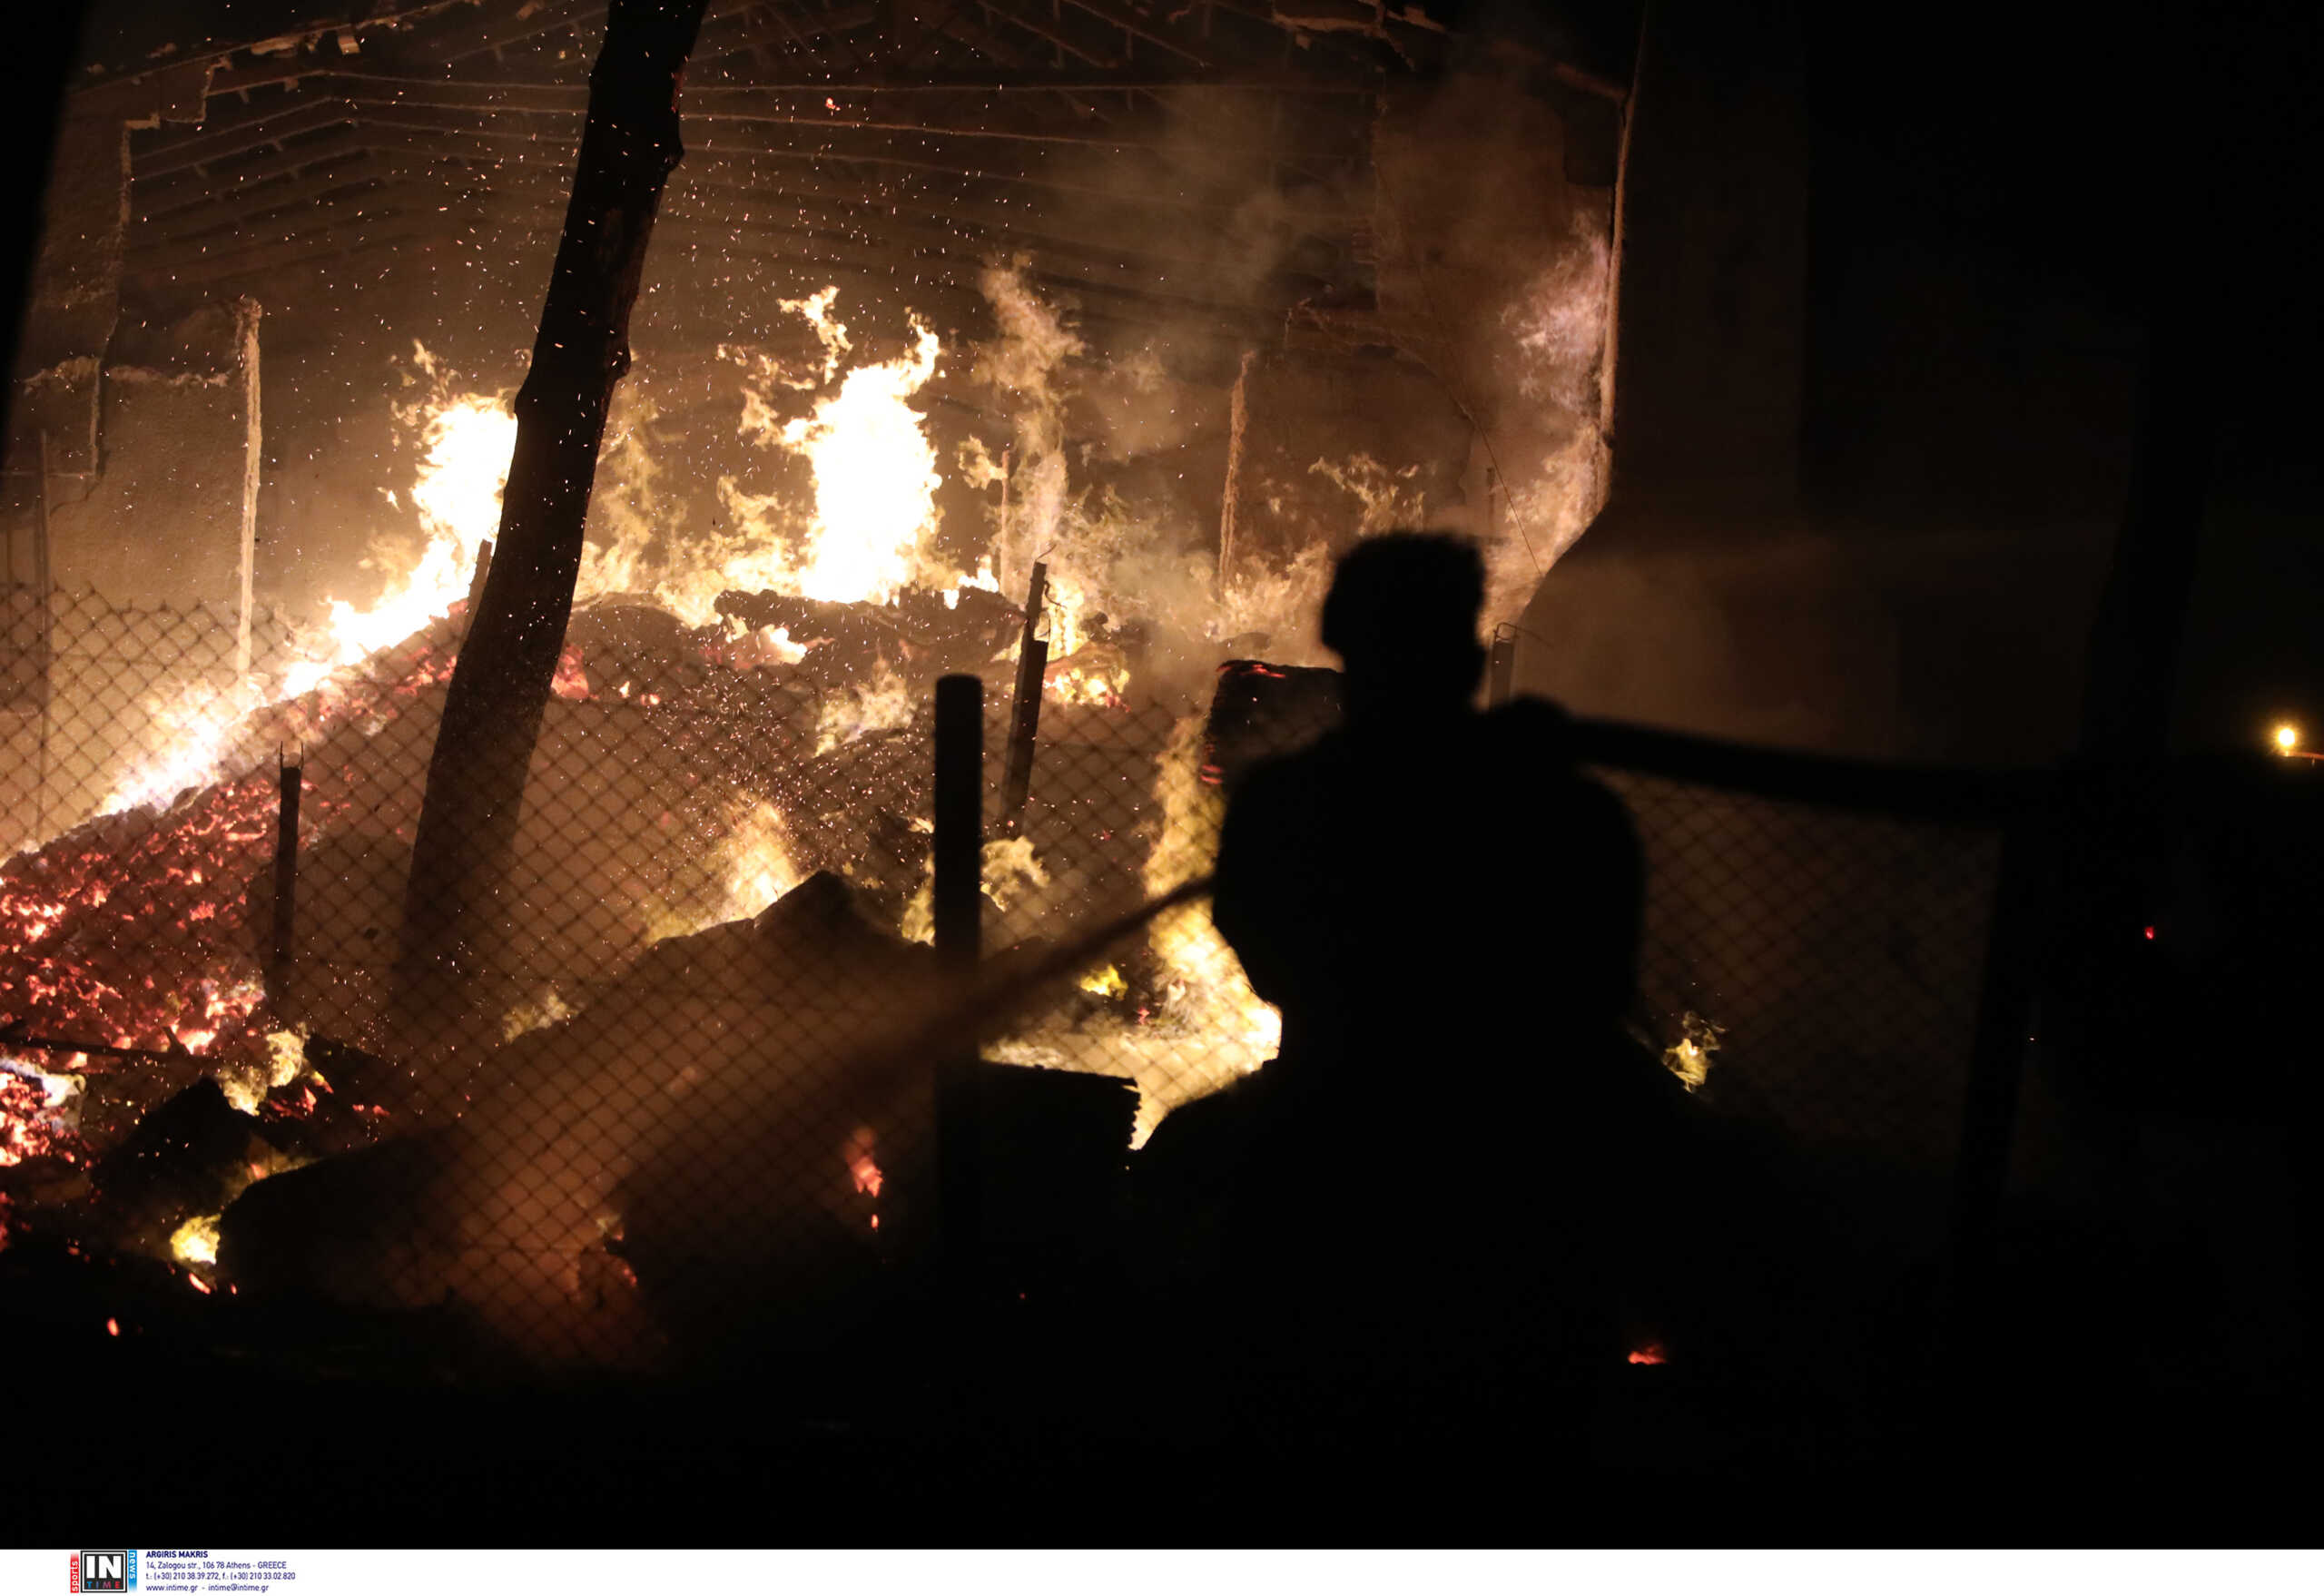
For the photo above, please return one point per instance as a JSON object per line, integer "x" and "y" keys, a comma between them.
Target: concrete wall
{"x": 1722, "y": 590}
{"x": 1714, "y": 259}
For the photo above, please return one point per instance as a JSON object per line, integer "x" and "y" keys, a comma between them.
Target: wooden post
{"x": 959, "y": 844}
{"x": 1025, "y": 711}
{"x": 286, "y": 873}
{"x": 958, "y": 849}
{"x": 456, "y": 897}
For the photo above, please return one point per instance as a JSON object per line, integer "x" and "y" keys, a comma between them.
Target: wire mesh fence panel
{"x": 1811, "y": 968}
{"x": 115, "y": 705}
{"x": 684, "y": 1100}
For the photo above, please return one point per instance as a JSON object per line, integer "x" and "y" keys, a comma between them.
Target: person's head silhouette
{"x": 1402, "y": 615}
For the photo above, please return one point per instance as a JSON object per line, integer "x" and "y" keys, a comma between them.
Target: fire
{"x": 862, "y": 1166}
{"x": 196, "y": 1240}
{"x": 759, "y": 869}
{"x": 1203, "y": 1026}
{"x": 199, "y": 723}
{"x": 1105, "y": 983}
{"x": 535, "y": 1014}
{"x": 458, "y": 495}
{"x": 754, "y": 869}
{"x": 1689, "y": 1058}
{"x": 883, "y": 703}
{"x": 467, "y": 442}
{"x": 1009, "y": 872}
{"x": 1651, "y": 1353}
{"x": 875, "y": 478}
{"x": 1096, "y": 687}
{"x": 30, "y": 1124}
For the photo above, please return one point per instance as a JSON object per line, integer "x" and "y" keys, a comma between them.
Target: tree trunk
{"x": 455, "y": 906}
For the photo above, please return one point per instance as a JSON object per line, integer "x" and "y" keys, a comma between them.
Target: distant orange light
{"x": 113, "y": 1326}
{"x": 2287, "y": 737}
{"x": 2150, "y": 933}
{"x": 1651, "y": 1353}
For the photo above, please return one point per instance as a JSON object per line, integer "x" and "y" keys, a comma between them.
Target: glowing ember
{"x": 29, "y": 1125}
{"x": 246, "y": 1086}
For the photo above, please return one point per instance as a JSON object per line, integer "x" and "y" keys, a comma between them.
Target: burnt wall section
{"x": 75, "y": 293}
{"x": 1327, "y": 447}
{"x": 167, "y": 516}
{"x": 1494, "y": 217}
{"x": 1464, "y": 393}
{"x": 163, "y": 528}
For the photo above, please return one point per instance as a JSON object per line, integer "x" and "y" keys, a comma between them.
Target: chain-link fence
{"x": 691, "y": 1106}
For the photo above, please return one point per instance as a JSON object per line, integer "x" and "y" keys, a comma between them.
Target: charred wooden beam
{"x": 1138, "y": 27}
{"x": 1024, "y": 708}
{"x": 1049, "y": 34}
{"x": 184, "y": 154}
{"x": 500, "y": 685}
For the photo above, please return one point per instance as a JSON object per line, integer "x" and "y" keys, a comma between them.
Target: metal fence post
{"x": 958, "y": 850}
{"x": 1989, "y": 1100}
{"x": 286, "y": 871}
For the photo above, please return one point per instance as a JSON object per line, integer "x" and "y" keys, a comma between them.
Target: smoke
{"x": 1555, "y": 328}
{"x": 1115, "y": 557}
{"x": 1025, "y": 364}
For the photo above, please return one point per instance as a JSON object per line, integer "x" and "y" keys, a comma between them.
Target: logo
{"x": 106, "y": 1571}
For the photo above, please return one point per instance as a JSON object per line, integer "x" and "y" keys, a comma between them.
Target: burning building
{"x": 1141, "y": 310}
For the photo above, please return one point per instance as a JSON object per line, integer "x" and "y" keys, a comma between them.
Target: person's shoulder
{"x": 1530, "y": 736}
{"x": 1530, "y": 719}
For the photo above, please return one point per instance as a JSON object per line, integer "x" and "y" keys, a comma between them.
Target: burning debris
{"x": 927, "y": 632}
{"x": 749, "y": 707}
{"x": 700, "y": 1152}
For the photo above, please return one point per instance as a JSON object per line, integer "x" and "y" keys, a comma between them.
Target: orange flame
{"x": 862, "y": 1165}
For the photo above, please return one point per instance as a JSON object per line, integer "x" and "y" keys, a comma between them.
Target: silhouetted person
{"x": 1446, "y": 912}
